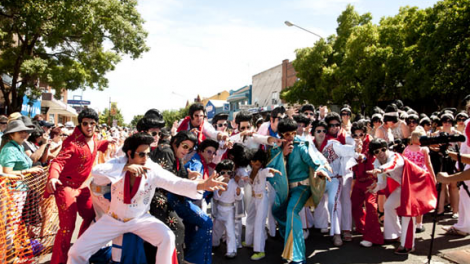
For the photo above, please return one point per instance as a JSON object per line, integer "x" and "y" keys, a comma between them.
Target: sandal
{"x": 454, "y": 231}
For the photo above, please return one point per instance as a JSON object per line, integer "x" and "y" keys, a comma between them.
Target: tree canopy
{"x": 416, "y": 55}
{"x": 66, "y": 44}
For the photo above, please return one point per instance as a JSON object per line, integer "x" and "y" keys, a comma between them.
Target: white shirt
{"x": 338, "y": 155}
{"x": 259, "y": 183}
{"x": 230, "y": 195}
{"x": 112, "y": 172}
{"x": 393, "y": 168}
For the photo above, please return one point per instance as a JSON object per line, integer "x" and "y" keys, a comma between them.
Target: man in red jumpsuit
{"x": 67, "y": 174}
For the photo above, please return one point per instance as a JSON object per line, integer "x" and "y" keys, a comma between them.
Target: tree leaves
{"x": 69, "y": 44}
{"x": 414, "y": 55}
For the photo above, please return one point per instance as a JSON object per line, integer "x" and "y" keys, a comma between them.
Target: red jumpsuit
{"x": 72, "y": 167}
{"x": 369, "y": 217}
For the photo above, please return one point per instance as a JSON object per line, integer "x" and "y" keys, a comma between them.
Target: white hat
{"x": 69, "y": 124}
{"x": 60, "y": 125}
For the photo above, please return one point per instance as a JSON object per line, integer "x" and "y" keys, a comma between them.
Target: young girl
{"x": 419, "y": 156}
{"x": 258, "y": 208}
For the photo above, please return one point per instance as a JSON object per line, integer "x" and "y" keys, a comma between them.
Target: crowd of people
{"x": 146, "y": 191}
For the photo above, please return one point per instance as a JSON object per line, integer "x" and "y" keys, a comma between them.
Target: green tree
{"x": 135, "y": 120}
{"x": 170, "y": 116}
{"x": 67, "y": 44}
{"x": 107, "y": 117}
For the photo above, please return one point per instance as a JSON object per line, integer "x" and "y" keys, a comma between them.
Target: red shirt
{"x": 75, "y": 160}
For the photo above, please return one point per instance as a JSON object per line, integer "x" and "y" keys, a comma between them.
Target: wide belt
{"x": 257, "y": 195}
{"x": 305, "y": 182}
{"x": 365, "y": 179}
{"x": 125, "y": 220}
{"x": 100, "y": 189}
{"x": 225, "y": 204}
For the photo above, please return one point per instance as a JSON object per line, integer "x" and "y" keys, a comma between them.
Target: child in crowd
{"x": 225, "y": 200}
{"x": 258, "y": 208}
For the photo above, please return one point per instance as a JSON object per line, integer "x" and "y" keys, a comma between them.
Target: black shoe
{"x": 420, "y": 230}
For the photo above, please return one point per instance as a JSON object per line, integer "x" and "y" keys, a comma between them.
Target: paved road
{"x": 321, "y": 250}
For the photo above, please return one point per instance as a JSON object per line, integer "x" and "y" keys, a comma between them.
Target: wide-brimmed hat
{"x": 69, "y": 124}
{"x": 16, "y": 126}
{"x": 27, "y": 121}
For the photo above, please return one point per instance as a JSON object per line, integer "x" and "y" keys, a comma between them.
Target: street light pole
{"x": 290, "y": 24}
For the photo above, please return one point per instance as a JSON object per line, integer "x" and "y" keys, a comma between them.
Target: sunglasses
{"x": 186, "y": 146}
{"x": 309, "y": 113}
{"x": 288, "y": 134}
{"x": 226, "y": 172}
{"x": 412, "y": 122}
{"x": 447, "y": 121}
{"x": 244, "y": 128}
{"x": 143, "y": 154}
{"x": 356, "y": 135}
{"x": 222, "y": 125}
{"x": 155, "y": 133}
{"x": 458, "y": 120}
{"x": 345, "y": 114}
{"x": 320, "y": 131}
{"x": 64, "y": 135}
{"x": 3, "y": 123}
{"x": 92, "y": 123}
{"x": 377, "y": 151}
{"x": 334, "y": 125}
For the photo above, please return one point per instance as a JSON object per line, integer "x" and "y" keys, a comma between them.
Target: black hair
{"x": 391, "y": 108}
{"x": 133, "y": 142}
{"x": 154, "y": 118}
{"x": 219, "y": 116}
{"x": 319, "y": 124}
{"x": 194, "y": 108}
{"x": 359, "y": 125}
{"x": 378, "y": 110}
{"x": 359, "y": 117}
{"x": 398, "y": 103}
{"x": 241, "y": 155}
{"x": 278, "y": 110}
{"x": 37, "y": 133}
{"x": 259, "y": 155}
{"x": 225, "y": 164}
{"x": 208, "y": 143}
{"x": 243, "y": 116}
{"x": 332, "y": 116}
{"x": 286, "y": 125}
{"x": 87, "y": 113}
{"x": 377, "y": 143}
{"x": 307, "y": 107}
{"x": 425, "y": 121}
{"x": 303, "y": 119}
{"x": 181, "y": 136}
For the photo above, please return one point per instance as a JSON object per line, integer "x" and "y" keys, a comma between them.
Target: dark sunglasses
{"x": 345, "y": 114}
{"x": 320, "y": 131}
{"x": 154, "y": 133}
{"x": 334, "y": 125}
{"x": 225, "y": 172}
{"x": 64, "y": 135}
{"x": 446, "y": 121}
{"x": 143, "y": 154}
{"x": 356, "y": 135}
{"x": 92, "y": 123}
{"x": 186, "y": 146}
{"x": 223, "y": 124}
{"x": 3, "y": 123}
{"x": 288, "y": 134}
{"x": 458, "y": 120}
{"x": 412, "y": 122}
{"x": 244, "y": 127}
{"x": 210, "y": 152}
{"x": 377, "y": 151}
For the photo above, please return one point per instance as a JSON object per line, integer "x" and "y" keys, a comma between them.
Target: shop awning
{"x": 57, "y": 107}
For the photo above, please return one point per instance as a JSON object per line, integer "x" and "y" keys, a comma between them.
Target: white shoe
{"x": 366, "y": 243}
{"x": 324, "y": 230}
{"x": 306, "y": 233}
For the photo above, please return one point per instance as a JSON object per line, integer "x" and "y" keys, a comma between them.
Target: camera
{"x": 443, "y": 138}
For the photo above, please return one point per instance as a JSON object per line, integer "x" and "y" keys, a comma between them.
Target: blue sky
{"x": 203, "y": 47}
